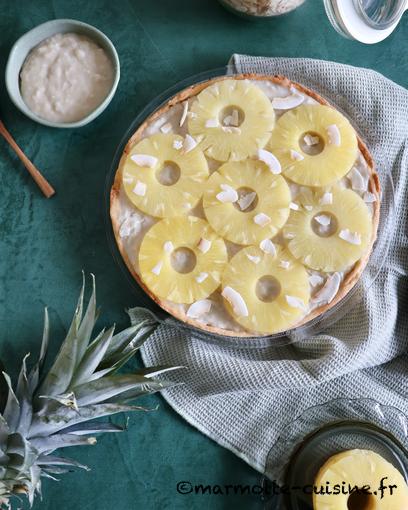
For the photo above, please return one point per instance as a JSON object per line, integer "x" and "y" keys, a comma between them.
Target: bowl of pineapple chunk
{"x": 245, "y": 205}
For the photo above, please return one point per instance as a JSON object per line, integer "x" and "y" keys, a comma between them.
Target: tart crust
{"x": 350, "y": 278}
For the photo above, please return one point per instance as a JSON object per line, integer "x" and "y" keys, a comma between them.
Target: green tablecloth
{"x": 45, "y": 244}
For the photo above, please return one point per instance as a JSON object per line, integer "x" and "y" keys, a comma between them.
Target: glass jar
{"x": 261, "y": 8}
{"x": 367, "y": 21}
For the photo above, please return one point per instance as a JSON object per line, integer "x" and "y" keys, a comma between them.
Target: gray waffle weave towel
{"x": 243, "y": 397}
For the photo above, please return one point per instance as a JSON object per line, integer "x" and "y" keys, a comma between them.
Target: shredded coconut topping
{"x": 166, "y": 128}
{"x": 199, "y": 308}
{"x": 296, "y": 156}
{"x": 323, "y": 220}
{"x": 285, "y": 103}
{"x": 350, "y": 237}
{"x": 329, "y": 290}
{"x": 212, "y": 123}
{"x": 231, "y": 129}
{"x": 295, "y": 302}
{"x": 228, "y": 195}
{"x": 204, "y": 245}
{"x": 184, "y": 114}
{"x": 271, "y": 161}
{"x": 267, "y": 246}
{"x": 246, "y": 200}
{"x": 140, "y": 189}
{"x": 357, "y": 180}
{"x": 315, "y": 279}
{"x": 157, "y": 268}
{"x": 237, "y": 302}
{"x": 177, "y": 144}
{"x": 334, "y": 135}
{"x": 262, "y": 219}
{"x": 311, "y": 140}
{"x": 168, "y": 247}
{"x": 294, "y": 206}
{"x": 144, "y": 160}
{"x": 201, "y": 277}
{"x": 189, "y": 143}
{"x": 326, "y": 199}
{"x": 285, "y": 264}
{"x": 254, "y": 258}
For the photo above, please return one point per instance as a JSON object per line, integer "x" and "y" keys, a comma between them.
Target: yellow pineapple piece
{"x": 330, "y": 231}
{"x": 181, "y": 259}
{"x": 161, "y": 179}
{"x": 233, "y": 119}
{"x": 265, "y": 292}
{"x": 263, "y": 218}
{"x": 360, "y": 468}
{"x": 315, "y": 144}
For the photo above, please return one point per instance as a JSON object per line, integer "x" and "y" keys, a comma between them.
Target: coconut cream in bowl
{"x": 63, "y": 73}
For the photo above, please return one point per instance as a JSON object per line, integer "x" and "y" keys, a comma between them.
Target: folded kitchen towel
{"x": 242, "y": 396}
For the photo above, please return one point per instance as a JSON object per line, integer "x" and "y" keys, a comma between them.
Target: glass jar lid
{"x": 367, "y": 21}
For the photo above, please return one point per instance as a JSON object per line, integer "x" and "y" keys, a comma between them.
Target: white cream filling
{"x": 134, "y": 224}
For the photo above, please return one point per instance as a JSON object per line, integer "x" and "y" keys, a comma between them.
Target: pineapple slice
{"x": 181, "y": 259}
{"x": 360, "y": 468}
{"x": 233, "y": 119}
{"x": 161, "y": 178}
{"x": 262, "y": 218}
{"x": 315, "y": 144}
{"x": 265, "y": 293}
{"x": 330, "y": 231}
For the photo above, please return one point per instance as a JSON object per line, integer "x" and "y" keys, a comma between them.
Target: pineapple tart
{"x": 378, "y": 484}
{"x": 246, "y": 205}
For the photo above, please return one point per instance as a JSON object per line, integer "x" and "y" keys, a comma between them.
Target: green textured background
{"x": 45, "y": 244}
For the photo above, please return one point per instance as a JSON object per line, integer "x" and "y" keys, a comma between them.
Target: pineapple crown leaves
{"x": 48, "y": 411}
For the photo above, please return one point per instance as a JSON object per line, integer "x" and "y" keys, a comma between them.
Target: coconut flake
{"x": 131, "y": 225}
{"x": 199, "y": 308}
{"x": 231, "y": 129}
{"x": 334, "y": 135}
{"x": 267, "y": 246}
{"x": 168, "y": 247}
{"x": 204, "y": 245}
{"x": 323, "y": 219}
{"x": 357, "y": 180}
{"x": 189, "y": 143}
{"x": 369, "y": 197}
{"x": 157, "y": 268}
{"x": 326, "y": 199}
{"x": 228, "y": 195}
{"x": 311, "y": 140}
{"x": 177, "y": 144}
{"x": 127, "y": 179}
{"x": 308, "y": 207}
{"x": 237, "y": 302}
{"x": 140, "y": 189}
{"x": 315, "y": 279}
{"x": 271, "y": 161}
{"x": 253, "y": 258}
{"x": 294, "y": 206}
{"x": 246, "y": 200}
{"x": 144, "y": 160}
{"x": 166, "y": 128}
{"x": 350, "y": 237}
{"x": 296, "y": 155}
{"x": 232, "y": 120}
{"x": 184, "y": 114}
{"x": 262, "y": 219}
{"x": 285, "y": 103}
{"x": 329, "y": 289}
{"x": 201, "y": 277}
{"x": 295, "y": 302}
{"x": 284, "y": 264}
{"x": 212, "y": 123}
